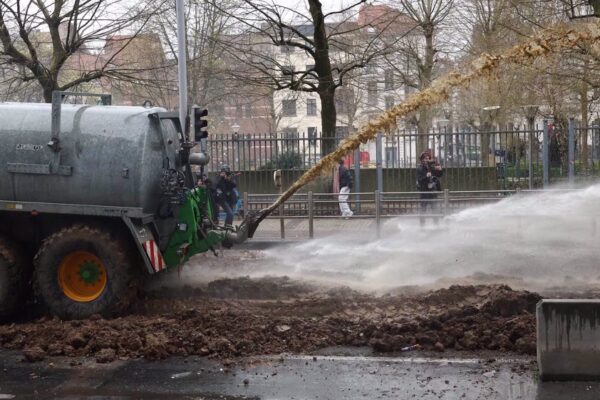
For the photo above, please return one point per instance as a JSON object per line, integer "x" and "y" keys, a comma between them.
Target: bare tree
{"x": 425, "y": 42}
{"x": 39, "y": 38}
{"x": 205, "y": 24}
{"x": 269, "y": 34}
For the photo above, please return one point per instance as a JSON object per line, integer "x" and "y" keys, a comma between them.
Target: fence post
{"x": 378, "y": 161}
{"x": 531, "y": 133}
{"x": 378, "y": 212}
{"x": 281, "y": 221}
{"x": 571, "y": 151}
{"x": 546, "y": 156}
{"x": 311, "y": 230}
{"x": 446, "y": 201}
{"x": 278, "y": 179}
{"x": 357, "y": 179}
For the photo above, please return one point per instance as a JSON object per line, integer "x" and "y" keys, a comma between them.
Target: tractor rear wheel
{"x": 81, "y": 271}
{"x": 15, "y": 274}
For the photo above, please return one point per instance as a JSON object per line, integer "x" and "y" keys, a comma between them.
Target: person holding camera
{"x": 429, "y": 173}
{"x": 226, "y": 194}
{"x": 211, "y": 193}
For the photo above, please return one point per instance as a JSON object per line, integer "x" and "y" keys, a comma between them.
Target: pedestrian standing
{"x": 226, "y": 194}
{"x": 345, "y": 178}
{"x": 429, "y": 172}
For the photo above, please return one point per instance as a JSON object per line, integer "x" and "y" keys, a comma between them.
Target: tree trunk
{"x": 425, "y": 78}
{"x": 48, "y": 88}
{"x": 423, "y": 128}
{"x": 326, "y": 84}
{"x": 485, "y": 144}
{"x": 328, "y": 121}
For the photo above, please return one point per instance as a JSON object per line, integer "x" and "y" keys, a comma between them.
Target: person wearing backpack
{"x": 226, "y": 195}
{"x": 429, "y": 172}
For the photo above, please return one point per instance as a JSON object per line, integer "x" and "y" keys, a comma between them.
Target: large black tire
{"x": 15, "y": 276}
{"x": 117, "y": 256}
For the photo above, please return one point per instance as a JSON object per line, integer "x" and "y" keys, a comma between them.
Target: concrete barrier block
{"x": 568, "y": 339}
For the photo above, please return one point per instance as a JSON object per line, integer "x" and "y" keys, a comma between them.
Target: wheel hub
{"x": 89, "y": 272}
{"x": 82, "y": 276}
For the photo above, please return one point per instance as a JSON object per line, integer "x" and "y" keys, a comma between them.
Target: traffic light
{"x": 200, "y": 123}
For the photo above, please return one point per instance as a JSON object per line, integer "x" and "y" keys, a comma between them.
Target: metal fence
{"x": 473, "y": 160}
{"x": 377, "y": 205}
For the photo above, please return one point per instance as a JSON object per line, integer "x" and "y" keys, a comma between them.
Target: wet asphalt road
{"x": 286, "y": 377}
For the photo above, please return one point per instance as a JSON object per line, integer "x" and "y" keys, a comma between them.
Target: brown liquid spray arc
{"x": 549, "y": 42}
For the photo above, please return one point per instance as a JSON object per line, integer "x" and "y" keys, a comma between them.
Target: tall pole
{"x": 546, "y": 155}
{"x": 181, "y": 63}
{"x": 378, "y": 161}
{"x": 530, "y": 113}
{"x": 571, "y": 150}
{"x": 531, "y": 122}
{"x": 357, "y": 178}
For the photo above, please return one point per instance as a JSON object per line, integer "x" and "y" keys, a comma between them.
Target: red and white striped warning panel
{"x": 154, "y": 255}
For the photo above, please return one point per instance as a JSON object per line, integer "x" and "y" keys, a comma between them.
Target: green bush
{"x": 288, "y": 160}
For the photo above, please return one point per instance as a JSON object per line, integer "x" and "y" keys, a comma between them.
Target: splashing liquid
{"x": 530, "y": 241}
{"x": 547, "y": 43}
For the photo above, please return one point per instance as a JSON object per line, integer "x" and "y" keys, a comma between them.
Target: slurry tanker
{"x": 92, "y": 198}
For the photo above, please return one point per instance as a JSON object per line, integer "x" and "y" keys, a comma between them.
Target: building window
{"x": 341, "y": 132}
{"x": 391, "y": 157}
{"x": 290, "y": 133}
{"x": 372, "y": 94}
{"x": 291, "y": 139}
{"x": 238, "y": 111}
{"x": 344, "y": 100}
{"x": 310, "y": 67}
{"x": 311, "y": 107}
{"x": 248, "y": 111}
{"x": 312, "y": 135}
{"x": 389, "y": 79}
{"x": 288, "y": 108}
{"x": 389, "y": 102}
{"x": 286, "y": 49}
{"x": 370, "y": 69}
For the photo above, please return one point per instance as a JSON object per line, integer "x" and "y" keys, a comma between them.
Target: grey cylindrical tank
{"x": 116, "y": 155}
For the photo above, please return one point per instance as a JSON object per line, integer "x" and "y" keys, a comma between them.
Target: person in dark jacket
{"x": 226, "y": 196}
{"x": 211, "y": 193}
{"x": 429, "y": 172}
{"x": 345, "y": 186}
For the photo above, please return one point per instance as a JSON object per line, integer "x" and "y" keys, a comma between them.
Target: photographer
{"x": 211, "y": 193}
{"x": 226, "y": 195}
{"x": 428, "y": 182}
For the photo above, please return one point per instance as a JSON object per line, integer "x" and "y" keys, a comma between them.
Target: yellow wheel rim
{"x": 82, "y": 276}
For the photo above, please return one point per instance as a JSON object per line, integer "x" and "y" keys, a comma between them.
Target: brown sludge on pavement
{"x": 277, "y": 315}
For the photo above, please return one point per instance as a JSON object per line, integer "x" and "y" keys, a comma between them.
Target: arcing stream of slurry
{"x": 549, "y": 42}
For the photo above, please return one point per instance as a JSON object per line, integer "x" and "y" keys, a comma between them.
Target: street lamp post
{"x": 530, "y": 113}
{"x": 450, "y": 129}
{"x": 490, "y": 114}
{"x": 443, "y": 127}
{"x": 235, "y": 142}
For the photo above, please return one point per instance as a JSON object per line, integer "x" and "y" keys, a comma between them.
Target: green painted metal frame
{"x": 189, "y": 238}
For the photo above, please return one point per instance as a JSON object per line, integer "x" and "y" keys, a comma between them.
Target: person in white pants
{"x": 345, "y": 186}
